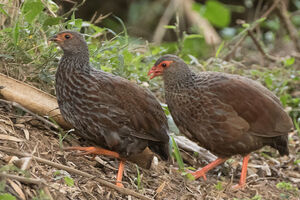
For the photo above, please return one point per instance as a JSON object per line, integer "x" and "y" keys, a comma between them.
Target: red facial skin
{"x": 158, "y": 70}
{"x": 60, "y": 38}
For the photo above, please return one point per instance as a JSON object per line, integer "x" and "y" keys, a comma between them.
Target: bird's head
{"x": 71, "y": 42}
{"x": 166, "y": 64}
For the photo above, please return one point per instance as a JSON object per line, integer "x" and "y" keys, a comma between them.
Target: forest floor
{"x": 268, "y": 177}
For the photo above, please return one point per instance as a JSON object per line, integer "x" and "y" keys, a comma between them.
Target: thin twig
{"x": 292, "y": 31}
{"x": 260, "y": 49}
{"x": 14, "y": 104}
{"x": 243, "y": 37}
{"x": 24, "y": 179}
{"x": 266, "y": 14}
{"x": 75, "y": 171}
{"x": 233, "y": 50}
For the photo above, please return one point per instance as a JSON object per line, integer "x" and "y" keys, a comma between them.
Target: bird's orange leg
{"x": 101, "y": 151}
{"x": 120, "y": 173}
{"x": 208, "y": 167}
{"x": 243, "y": 173}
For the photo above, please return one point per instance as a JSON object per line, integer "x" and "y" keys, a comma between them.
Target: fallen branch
{"x": 24, "y": 179}
{"x": 191, "y": 146}
{"x": 14, "y": 104}
{"x": 75, "y": 171}
{"x": 31, "y": 98}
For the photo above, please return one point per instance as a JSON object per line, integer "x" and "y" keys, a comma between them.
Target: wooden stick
{"x": 24, "y": 179}
{"x": 75, "y": 171}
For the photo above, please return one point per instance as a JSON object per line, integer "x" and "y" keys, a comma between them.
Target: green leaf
{"x": 139, "y": 179}
{"x": 170, "y": 27}
{"x": 219, "y": 49}
{"x": 190, "y": 177}
{"x": 69, "y": 181}
{"x": 3, "y": 11}
{"x": 245, "y": 25}
{"x": 219, "y": 186}
{"x": 297, "y": 126}
{"x": 177, "y": 155}
{"x": 285, "y": 186}
{"x": 16, "y": 32}
{"x": 217, "y": 13}
{"x": 31, "y": 9}
{"x": 289, "y": 62}
{"x": 268, "y": 81}
{"x": 7, "y": 196}
{"x": 192, "y": 36}
{"x": 50, "y": 21}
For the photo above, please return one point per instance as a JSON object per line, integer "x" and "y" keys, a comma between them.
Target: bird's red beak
{"x": 55, "y": 38}
{"x": 155, "y": 71}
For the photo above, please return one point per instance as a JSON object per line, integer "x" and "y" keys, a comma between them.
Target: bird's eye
{"x": 67, "y": 36}
{"x": 164, "y": 65}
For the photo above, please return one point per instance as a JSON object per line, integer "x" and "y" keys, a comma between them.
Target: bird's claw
{"x": 119, "y": 184}
{"x": 199, "y": 174}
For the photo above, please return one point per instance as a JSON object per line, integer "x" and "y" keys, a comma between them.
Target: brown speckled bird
{"x": 111, "y": 112}
{"x": 226, "y": 114}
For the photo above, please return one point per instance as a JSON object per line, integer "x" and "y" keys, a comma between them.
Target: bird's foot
{"x": 199, "y": 174}
{"x": 119, "y": 184}
{"x": 94, "y": 150}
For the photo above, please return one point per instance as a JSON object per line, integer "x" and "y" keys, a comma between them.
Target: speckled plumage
{"x": 226, "y": 114}
{"x": 108, "y": 110}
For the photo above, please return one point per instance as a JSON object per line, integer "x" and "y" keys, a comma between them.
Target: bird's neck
{"x": 177, "y": 79}
{"x": 74, "y": 62}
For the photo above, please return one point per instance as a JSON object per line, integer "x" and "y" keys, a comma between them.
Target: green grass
{"x": 138, "y": 179}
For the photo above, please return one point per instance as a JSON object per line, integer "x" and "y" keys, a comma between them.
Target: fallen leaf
{"x": 17, "y": 189}
{"x": 26, "y": 132}
{"x": 161, "y": 187}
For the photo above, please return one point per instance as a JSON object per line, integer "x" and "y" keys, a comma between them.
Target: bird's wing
{"x": 259, "y": 107}
{"x": 130, "y": 108}
{"x": 143, "y": 109}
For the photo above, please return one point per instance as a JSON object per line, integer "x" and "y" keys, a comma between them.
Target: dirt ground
{"x": 268, "y": 177}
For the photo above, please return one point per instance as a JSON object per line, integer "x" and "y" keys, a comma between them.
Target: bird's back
{"x": 228, "y": 114}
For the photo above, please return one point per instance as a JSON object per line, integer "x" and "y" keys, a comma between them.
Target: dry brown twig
{"x": 265, "y": 15}
{"x": 14, "y": 104}
{"x": 75, "y": 171}
{"x": 23, "y": 179}
{"x": 260, "y": 49}
{"x": 285, "y": 18}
